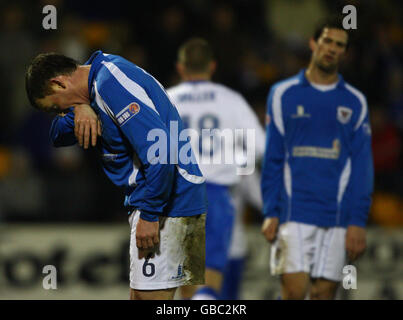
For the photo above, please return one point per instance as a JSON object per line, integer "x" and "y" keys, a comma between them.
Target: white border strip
{"x": 131, "y": 86}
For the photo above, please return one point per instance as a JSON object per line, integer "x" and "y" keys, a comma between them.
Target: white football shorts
{"x": 178, "y": 260}
{"x": 315, "y": 250}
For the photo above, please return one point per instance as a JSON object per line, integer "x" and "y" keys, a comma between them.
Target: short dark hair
{"x": 42, "y": 68}
{"x": 332, "y": 22}
{"x": 195, "y": 54}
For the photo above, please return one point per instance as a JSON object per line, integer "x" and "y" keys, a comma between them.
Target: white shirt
{"x": 209, "y": 105}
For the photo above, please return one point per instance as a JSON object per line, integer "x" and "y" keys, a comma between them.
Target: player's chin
{"x": 328, "y": 67}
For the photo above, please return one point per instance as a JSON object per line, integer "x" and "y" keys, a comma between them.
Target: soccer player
{"x": 317, "y": 176}
{"x": 203, "y": 105}
{"x": 165, "y": 196}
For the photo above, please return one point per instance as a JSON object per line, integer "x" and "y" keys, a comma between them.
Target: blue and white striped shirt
{"x": 130, "y": 103}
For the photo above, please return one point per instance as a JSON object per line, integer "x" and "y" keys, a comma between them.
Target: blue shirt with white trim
{"x": 318, "y": 166}
{"x": 140, "y": 146}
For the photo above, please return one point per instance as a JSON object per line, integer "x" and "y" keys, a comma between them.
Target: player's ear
{"x": 213, "y": 67}
{"x": 180, "y": 69}
{"x": 59, "y": 82}
{"x": 312, "y": 44}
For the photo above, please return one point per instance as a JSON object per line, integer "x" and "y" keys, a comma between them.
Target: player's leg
{"x": 187, "y": 292}
{"x": 213, "y": 279}
{"x": 233, "y": 272}
{"x": 232, "y": 279}
{"x": 219, "y": 223}
{"x": 166, "y": 294}
{"x": 294, "y": 286}
{"x": 212, "y": 287}
{"x": 291, "y": 258}
{"x": 178, "y": 260}
{"x": 329, "y": 263}
{"x": 323, "y": 289}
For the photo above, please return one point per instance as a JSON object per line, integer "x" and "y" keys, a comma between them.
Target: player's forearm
{"x": 362, "y": 176}
{"x": 271, "y": 185}
{"x": 61, "y": 133}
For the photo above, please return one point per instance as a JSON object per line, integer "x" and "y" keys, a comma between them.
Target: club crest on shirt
{"x": 344, "y": 114}
{"x": 127, "y": 113}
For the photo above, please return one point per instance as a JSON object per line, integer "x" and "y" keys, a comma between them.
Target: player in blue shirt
{"x": 165, "y": 195}
{"x": 317, "y": 176}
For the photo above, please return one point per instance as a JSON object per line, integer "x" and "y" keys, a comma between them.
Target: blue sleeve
{"x": 273, "y": 165}
{"x": 362, "y": 175}
{"x": 138, "y": 121}
{"x": 61, "y": 132}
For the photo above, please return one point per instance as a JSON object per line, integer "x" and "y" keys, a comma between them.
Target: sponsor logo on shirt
{"x": 318, "y": 152}
{"x": 300, "y": 113}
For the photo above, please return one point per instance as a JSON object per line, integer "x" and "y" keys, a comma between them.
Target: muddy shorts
{"x": 178, "y": 260}
{"x": 318, "y": 251}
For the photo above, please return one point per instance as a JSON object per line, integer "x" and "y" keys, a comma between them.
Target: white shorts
{"x": 315, "y": 250}
{"x": 178, "y": 260}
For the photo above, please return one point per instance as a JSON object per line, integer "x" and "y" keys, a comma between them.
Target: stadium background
{"x": 57, "y": 207}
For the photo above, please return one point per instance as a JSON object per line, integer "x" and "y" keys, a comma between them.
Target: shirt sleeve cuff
{"x": 354, "y": 221}
{"x": 271, "y": 214}
{"x": 148, "y": 216}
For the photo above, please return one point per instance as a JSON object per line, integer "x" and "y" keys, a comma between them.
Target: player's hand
{"x": 355, "y": 242}
{"x": 147, "y": 234}
{"x": 86, "y": 125}
{"x": 269, "y": 228}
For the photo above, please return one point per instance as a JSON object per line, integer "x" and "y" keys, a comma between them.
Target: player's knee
{"x": 322, "y": 293}
{"x": 136, "y": 295}
{"x": 293, "y": 293}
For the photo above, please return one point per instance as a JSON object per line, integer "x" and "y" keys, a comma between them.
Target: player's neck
{"x": 80, "y": 77}
{"x": 197, "y": 77}
{"x": 315, "y": 75}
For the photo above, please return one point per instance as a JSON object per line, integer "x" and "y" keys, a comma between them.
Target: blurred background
{"x": 56, "y": 205}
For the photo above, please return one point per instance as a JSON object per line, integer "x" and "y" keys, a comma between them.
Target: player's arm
{"x": 61, "y": 132}
{"x": 272, "y": 173}
{"x": 249, "y": 120}
{"x": 362, "y": 175}
{"x": 79, "y": 124}
{"x": 87, "y": 126}
{"x": 138, "y": 122}
{"x": 130, "y": 109}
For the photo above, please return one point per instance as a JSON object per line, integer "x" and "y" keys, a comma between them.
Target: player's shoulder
{"x": 223, "y": 89}
{"x": 228, "y": 94}
{"x": 177, "y": 89}
{"x": 282, "y": 87}
{"x": 356, "y": 101}
{"x": 355, "y": 94}
{"x": 117, "y": 67}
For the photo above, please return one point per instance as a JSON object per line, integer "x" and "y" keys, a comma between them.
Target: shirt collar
{"x": 95, "y": 61}
{"x": 304, "y": 81}
{"x": 196, "y": 81}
